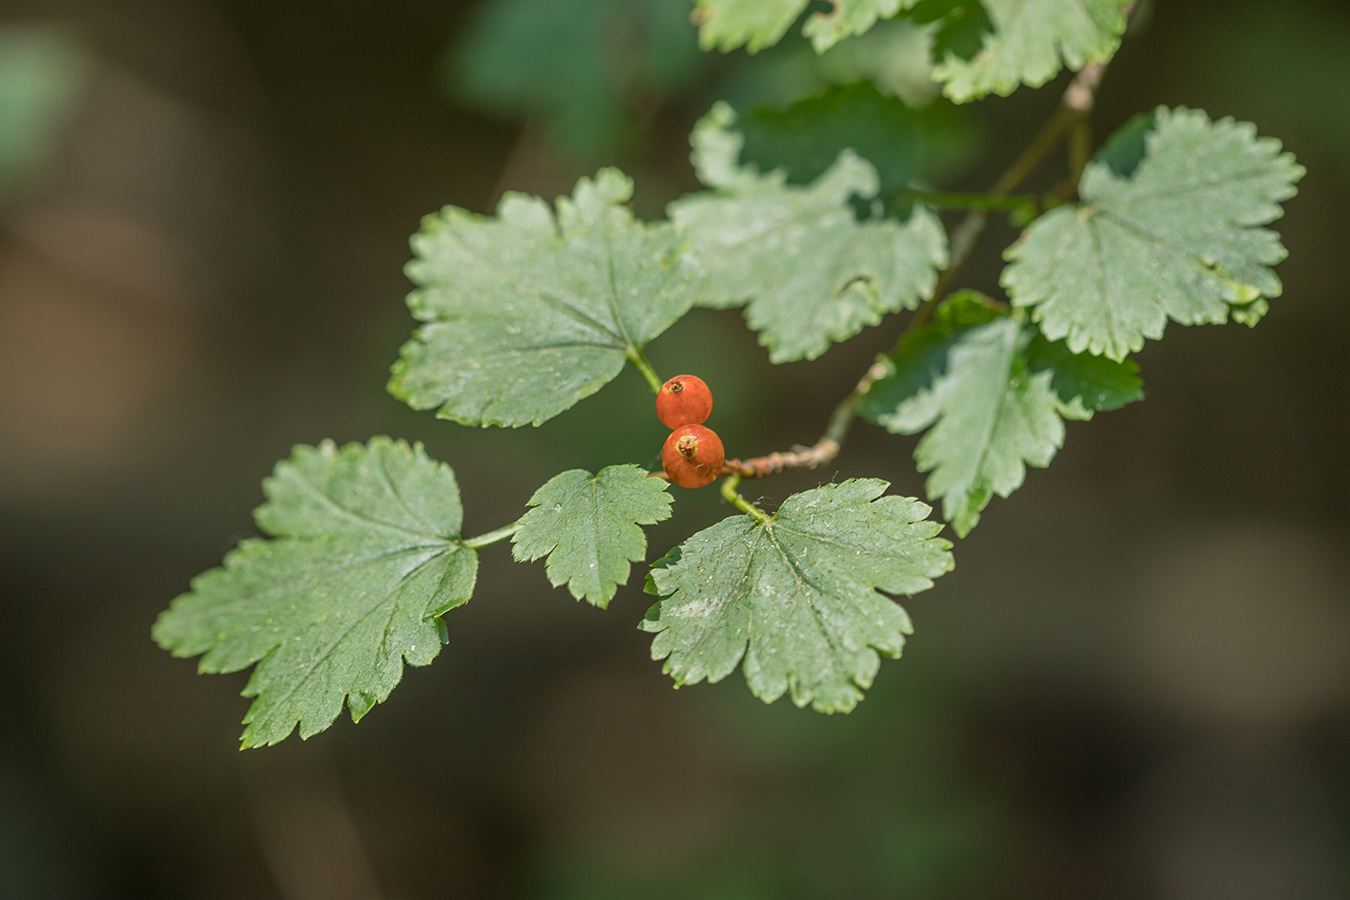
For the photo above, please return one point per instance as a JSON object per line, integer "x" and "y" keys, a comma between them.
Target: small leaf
{"x": 365, "y": 558}
{"x": 756, "y": 24}
{"x": 587, "y": 526}
{"x": 809, "y": 272}
{"x": 1085, "y": 383}
{"x": 988, "y": 417}
{"x": 528, "y": 313}
{"x": 797, "y": 597}
{"x": 1030, "y": 41}
{"x": 992, "y": 394}
{"x": 1178, "y": 236}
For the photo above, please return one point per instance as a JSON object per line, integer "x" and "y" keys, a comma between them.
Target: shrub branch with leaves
{"x": 528, "y": 312}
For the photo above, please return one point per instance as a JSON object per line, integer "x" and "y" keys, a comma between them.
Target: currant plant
{"x": 817, "y": 229}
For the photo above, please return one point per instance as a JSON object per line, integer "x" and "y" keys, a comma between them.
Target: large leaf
{"x": 587, "y": 526}
{"x": 797, "y": 596}
{"x": 756, "y": 24}
{"x": 364, "y": 558}
{"x": 808, "y": 271}
{"x": 992, "y": 395}
{"x": 1175, "y": 234}
{"x": 527, "y": 313}
{"x": 1030, "y": 41}
{"x": 583, "y": 69}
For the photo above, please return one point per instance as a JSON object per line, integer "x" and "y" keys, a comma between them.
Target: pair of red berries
{"x": 692, "y": 455}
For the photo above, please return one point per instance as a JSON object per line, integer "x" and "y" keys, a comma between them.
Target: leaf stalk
{"x": 491, "y": 537}
{"x": 639, "y": 361}
{"x": 729, "y": 493}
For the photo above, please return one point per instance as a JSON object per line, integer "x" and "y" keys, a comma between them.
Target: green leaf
{"x": 921, "y": 357}
{"x": 961, "y": 26}
{"x": 1030, "y": 42}
{"x": 807, "y": 138}
{"x": 529, "y": 312}
{"x": 587, "y": 526}
{"x": 988, "y": 418}
{"x": 364, "y": 558}
{"x": 992, "y": 394}
{"x": 756, "y": 24}
{"x": 1179, "y": 237}
{"x": 1084, "y": 383}
{"x": 809, "y": 272}
{"x": 581, "y": 68}
{"x": 797, "y": 597}
{"x": 41, "y": 72}
{"x": 849, "y": 17}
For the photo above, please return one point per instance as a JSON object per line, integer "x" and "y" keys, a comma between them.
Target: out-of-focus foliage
{"x": 756, "y": 24}
{"x": 807, "y": 138}
{"x": 589, "y": 73}
{"x": 587, "y": 70}
{"x": 1028, "y": 42}
{"x": 41, "y": 71}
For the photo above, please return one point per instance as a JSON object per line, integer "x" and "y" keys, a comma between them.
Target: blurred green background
{"x": 1136, "y": 684}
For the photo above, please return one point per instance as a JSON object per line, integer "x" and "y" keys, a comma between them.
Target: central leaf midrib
{"x": 836, "y": 653}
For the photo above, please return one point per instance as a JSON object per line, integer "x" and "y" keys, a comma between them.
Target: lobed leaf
{"x": 756, "y": 24}
{"x": 1030, "y": 41}
{"x": 795, "y": 600}
{"x": 530, "y": 312}
{"x": 992, "y": 395}
{"x": 807, "y": 270}
{"x": 1173, "y": 233}
{"x": 364, "y": 558}
{"x": 587, "y": 526}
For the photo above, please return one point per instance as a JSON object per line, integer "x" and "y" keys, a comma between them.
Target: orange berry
{"x": 684, "y": 400}
{"x": 693, "y": 456}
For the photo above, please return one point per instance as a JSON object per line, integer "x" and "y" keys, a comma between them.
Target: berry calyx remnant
{"x": 693, "y": 456}
{"x": 684, "y": 400}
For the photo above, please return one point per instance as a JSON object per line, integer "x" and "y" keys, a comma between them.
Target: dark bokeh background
{"x": 1136, "y": 683}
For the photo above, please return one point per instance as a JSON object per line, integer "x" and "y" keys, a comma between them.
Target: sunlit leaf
{"x": 796, "y": 600}
{"x": 363, "y": 558}
{"x": 529, "y": 312}
{"x": 1172, "y": 234}
{"x": 587, "y": 526}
